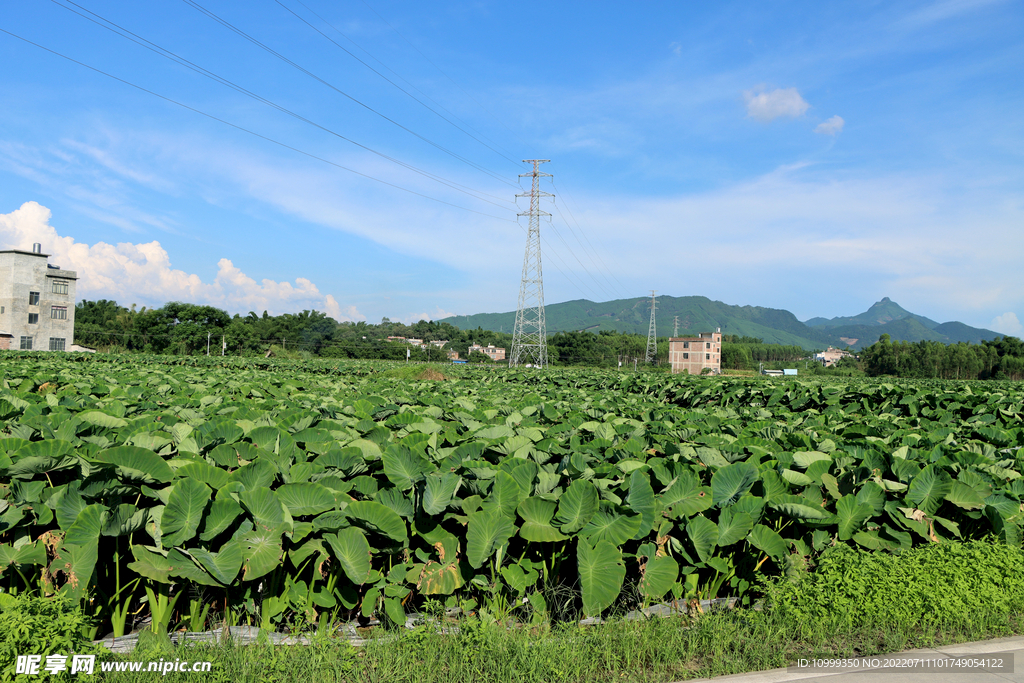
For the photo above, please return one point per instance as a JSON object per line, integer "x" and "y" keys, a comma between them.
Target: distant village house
{"x": 694, "y": 354}
{"x": 493, "y": 352}
{"x": 37, "y": 302}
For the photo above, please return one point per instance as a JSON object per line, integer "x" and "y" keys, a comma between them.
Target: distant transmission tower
{"x": 652, "y": 336}
{"x": 529, "y": 339}
{"x": 675, "y": 328}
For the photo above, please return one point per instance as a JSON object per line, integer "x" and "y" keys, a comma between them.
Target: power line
{"x": 593, "y": 251}
{"x": 254, "y": 41}
{"x": 167, "y": 54}
{"x": 339, "y": 32}
{"x": 427, "y": 59}
{"x": 248, "y": 131}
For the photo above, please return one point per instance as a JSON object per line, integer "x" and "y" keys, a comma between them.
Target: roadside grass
{"x": 417, "y": 372}
{"x": 658, "y": 650}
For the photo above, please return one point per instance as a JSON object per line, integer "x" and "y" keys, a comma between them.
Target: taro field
{"x": 300, "y": 494}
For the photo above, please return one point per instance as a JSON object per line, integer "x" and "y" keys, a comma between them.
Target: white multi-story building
{"x": 37, "y": 302}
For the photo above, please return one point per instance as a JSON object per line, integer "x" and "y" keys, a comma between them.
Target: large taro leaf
{"x": 686, "y": 497}
{"x": 100, "y": 419}
{"x": 488, "y": 531}
{"x": 29, "y": 553}
{"x": 852, "y": 514}
{"x": 261, "y": 552}
{"x": 733, "y": 526}
{"x": 731, "y": 482}
{"x": 872, "y": 495}
{"x": 353, "y": 552}
{"x": 378, "y": 518}
{"x": 305, "y": 499}
{"x": 124, "y": 520}
{"x": 601, "y": 573}
{"x": 505, "y": 495}
{"x": 184, "y": 512}
{"x": 260, "y": 473}
{"x": 223, "y": 513}
{"x": 264, "y": 506}
{"x": 404, "y": 466}
{"x": 703, "y": 534}
{"x": 768, "y": 541}
{"x": 137, "y": 464}
{"x": 929, "y": 488}
{"x": 965, "y": 497}
{"x": 641, "y": 499}
{"x": 657, "y": 576}
{"x": 41, "y": 456}
{"x": 185, "y": 567}
{"x": 609, "y": 525}
{"x": 537, "y": 514}
{"x": 203, "y": 471}
{"x": 438, "y": 492}
{"x": 69, "y": 504}
{"x": 151, "y": 564}
{"x": 440, "y": 578}
{"x": 222, "y": 565}
{"x": 800, "y": 508}
{"x": 576, "y": 506}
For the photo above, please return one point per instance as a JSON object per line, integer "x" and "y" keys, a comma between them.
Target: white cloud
{"x": 768, "y": 105}
{"x": 1007, "y": 323}
{"x": 438, "y": 314}
{"x": 116, "y": 272}
{"x": 832, "y": 126}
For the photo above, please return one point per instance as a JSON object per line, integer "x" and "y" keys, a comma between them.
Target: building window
{"x": 26, "y": 343}
{"x": 59, "y": 312}
{"x": 686, "y": 356}
{"x": 33, "y": 298}
{"x": 686, "y": 345}
{"x": 56, "y": 344}
{"x": 708, "y": 345}
{"x": 60, "y": 287}
{"x": 33, "y": 318}
{"x": 707, "y": 356}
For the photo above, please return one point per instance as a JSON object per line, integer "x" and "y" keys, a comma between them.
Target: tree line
{"x": 1001, "y": 358}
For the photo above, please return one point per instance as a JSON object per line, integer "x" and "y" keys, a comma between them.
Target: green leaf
{"x": 799, "y": 507}
{"x": 488, "y": 531}
{"x": 137, "y": 463}
{"x": 851, "y": 514}
{"x": 184, "y": 511}
{"x": 222, "y": 515}
{"x": 185, "y": 567}
{"x": 609, "y": 525}
{"x": 261, "y": 552}
{"x": 265, "y": 507}
{"x": 353, "y": 552}
{"x": 657, "y": 576}
{"x": 537, "y": 514}
{"x": 703, "y": 534}
{"x": 438, "y": 492}
{"x": 222, "y": 565}
{"x": 203, "y": 471}
{"x": 404, "y": 467}
{"x": 577, "y": 506}
{"x": 601, "y": 572}
{"x": 731, "y": 482}
{"x": 440, "y": 578}
{"x": 641, "y": 499}
{"x": 378, "y": 518}
{"x": 963, "y": 496}
{"x": 929, "y": 488}
{"x": 505, "y": 495}
{"x": 95, "y": 417}
{"x": 150, "y": 564}
{"x": 306, "y": 498}
{"x": 733, "y": 526}
{"x": 768, "y": 542}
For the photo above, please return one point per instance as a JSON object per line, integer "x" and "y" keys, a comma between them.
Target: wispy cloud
{"x": 123, "y": 271}
{"x": 832, "y": 126}
{"x": 768, "y": 105}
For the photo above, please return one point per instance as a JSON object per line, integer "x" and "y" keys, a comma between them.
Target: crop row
{"x": 305, "y": 493}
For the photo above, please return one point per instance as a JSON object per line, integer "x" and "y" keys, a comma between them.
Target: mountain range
{"x": 775, "y": 326}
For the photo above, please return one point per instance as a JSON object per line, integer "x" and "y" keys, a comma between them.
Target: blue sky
{"x": 808, "y": 156}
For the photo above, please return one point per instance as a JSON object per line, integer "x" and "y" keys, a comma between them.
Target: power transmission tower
{"x": 652, "y": 335}
{"x": 675, "y": 328}
{"x": 529, "y": 338}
